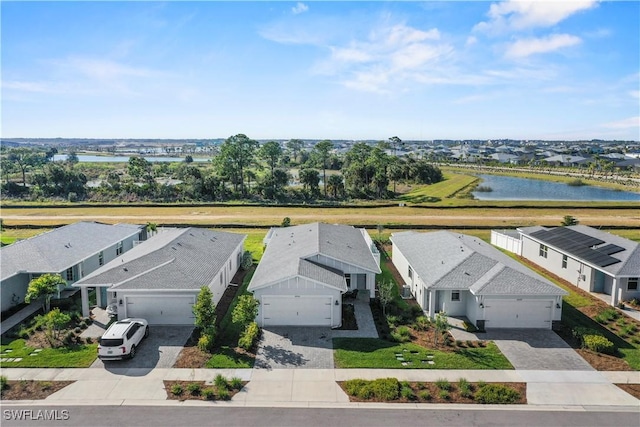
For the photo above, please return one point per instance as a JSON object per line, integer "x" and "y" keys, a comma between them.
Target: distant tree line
{"x": 242, "y": 169}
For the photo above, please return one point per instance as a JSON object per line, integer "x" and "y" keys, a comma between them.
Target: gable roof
{"x": 288, "y": 245}
{"x": 185, "y": 258}
{"x": 447, "y": 260}
{"x": 604, "y": 251}
{"x": 61, "y": 248}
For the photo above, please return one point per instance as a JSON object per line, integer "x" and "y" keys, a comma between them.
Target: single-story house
{"x": 591, "y": 259}
{"x": 305, "y": 270}
{"x": 72, "y": 251}
{"x": 467, "y": 277}
{"x": 159, "y": 279}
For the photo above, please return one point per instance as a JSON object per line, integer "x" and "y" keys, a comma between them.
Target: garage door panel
{"x": 302, "y": 311}
{"x": 518, "y": 313}
{"x": 169, "y": 310}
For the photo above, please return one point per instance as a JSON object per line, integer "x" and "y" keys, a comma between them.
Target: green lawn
{"x": 376, "y": 353}
{"x": 81, "y": 356}
{"x": 452, "y": 183}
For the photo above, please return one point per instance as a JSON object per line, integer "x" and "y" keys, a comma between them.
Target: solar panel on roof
{"x": 579, "y": 245}
{"x": 610, "y": 249}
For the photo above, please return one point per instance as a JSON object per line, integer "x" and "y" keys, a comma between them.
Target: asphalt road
{"x": 283, "y": 417}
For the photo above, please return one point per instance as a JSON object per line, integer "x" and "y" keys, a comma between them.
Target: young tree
{"x": 286, "y": 222}
{"x": 569, "y": 220}
{"x": 442, "y": 325}
{"x": 247, "y": 260}
{"x": 385, "y": 295}
{"x": 336, "y": 185}
{"x": 204, "y": 309}
{"x": 236, "y": 154}
{"x": 55, "y": 320}
{"x": 45, "y": 286}
{"x": 295, "y": 147}
{"x": 309, "y": 178}
{"x": 245, "y": 311}
{"x": 322, "y": 150}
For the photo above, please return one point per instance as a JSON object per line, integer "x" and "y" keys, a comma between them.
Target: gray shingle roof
{"x": 447, "y": 260}
{"x": 629, "y": 264}
{"x": 288, "y": 245}
{"x": 61, "y": 248}
{"x": 186, "y": 258}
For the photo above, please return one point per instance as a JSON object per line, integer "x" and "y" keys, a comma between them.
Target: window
{"x": 564, "y": 261}
{"x": 229, "y": 265}
{"x": 543, "y": 251}
{"x": 221, "y": 278}
{"x": 69, "y": 274}
{"x": 410, "y": 273}
{"x": 455, "y": 295}
{"x": 632, "y": 284}
{"x": 119, "y": 249}
{"x": 347, "y": 278}
{"x": 101, "y": 258}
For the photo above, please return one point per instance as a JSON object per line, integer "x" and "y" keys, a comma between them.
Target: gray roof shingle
{"x": 178, "y": 259}
{"x": 290, "y": 244}
{"x": 447, "y": 260}
{"x": 61, "y": 248}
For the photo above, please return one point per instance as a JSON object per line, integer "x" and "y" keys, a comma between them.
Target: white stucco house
{"x": 72, "y": 251}
{"x": 159, "y": 279}
{"x": 305, "y": 270}
{"x": 591, "y": 259}
{"x": 467, "y": 277}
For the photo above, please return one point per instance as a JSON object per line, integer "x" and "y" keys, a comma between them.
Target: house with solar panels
{"x": 593, "y": 260}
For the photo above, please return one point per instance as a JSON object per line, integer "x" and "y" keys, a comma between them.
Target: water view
{"x": 510, "y": 188}
{"x": 124, "y": 159}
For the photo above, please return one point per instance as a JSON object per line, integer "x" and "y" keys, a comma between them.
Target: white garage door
{"x": 296, "y": 311}
{"x": 169, "y": 310}
{"x": 503, "y": 313}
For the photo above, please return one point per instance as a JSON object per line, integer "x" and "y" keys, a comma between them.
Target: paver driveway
{"x": 536, "y": 349}
{"x": 286, "y": 347}
{"x": 159, "y": 350}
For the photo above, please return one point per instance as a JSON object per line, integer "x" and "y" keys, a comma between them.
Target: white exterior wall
{"x": 472, "y": 307}
{"x": 348, "y": 269}
{"x": 124, "y": 294}
{"x": 223, "y": 277}
{"x": 506, "y": 242}
{"x": 301, "y": 286}
{"x": 452, "y": 308}
{"x": 625, "y": 294}
{"x": 16, "y": 285}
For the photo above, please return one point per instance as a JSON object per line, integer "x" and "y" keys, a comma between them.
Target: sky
{"x": 321, "y": 70}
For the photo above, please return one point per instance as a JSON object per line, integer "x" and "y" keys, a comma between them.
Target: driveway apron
{"x": 288, "y": 347}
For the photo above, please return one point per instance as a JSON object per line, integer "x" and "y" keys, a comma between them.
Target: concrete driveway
{"x": 287, "y": 347}
{"x": 536, "y": 349}
{"x": 159, "y": 350}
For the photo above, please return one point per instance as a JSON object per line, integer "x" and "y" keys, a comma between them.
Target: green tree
{"x": 45, "y": 286}
{"x": 336, "y": 185}
{"x": 236, "y": 154}
{"x": 568, "y": 220}
{"x": 322, "y": 150}
{"x": 55, "y": 320}
{"x": 151, "y": 227}
{"x": 72, "y": 158}
{"x": 271, "y": 153}
{"x": 25, "y": 159}
{"x": 188, "y": 158}
{"x": 286, "y": 222}
{"x": 442, "y": 325}
{"x": 204, "y": 309}
{"x": 247, "y": 260}
{"x": 245, "y": 311}
{"x": 310, "y": 180}
{"x": 385, "y": 294}
{"x": 140, "y": 168}
{"x": 294, "y": 146}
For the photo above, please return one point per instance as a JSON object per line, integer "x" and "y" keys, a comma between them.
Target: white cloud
{"x": 520, "y": 15}
{"x": 635, "y": 94}
{"x": 526, "y": 47}
{"x": 630, "y": 122}
{"x": 25, "y": 86}
{"x": 299, "y": 8}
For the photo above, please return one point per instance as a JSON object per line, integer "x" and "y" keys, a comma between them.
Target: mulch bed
{"x": 32, "y": 390}
{"x": 632, "y": 389}
{"x": 186, "y": 395}
{"x": 434, "y": 393}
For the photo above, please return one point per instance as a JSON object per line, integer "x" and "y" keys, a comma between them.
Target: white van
{"x": 122, "y": 338}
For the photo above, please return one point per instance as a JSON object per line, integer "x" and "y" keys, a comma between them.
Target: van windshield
{"x": 111, "y": 342}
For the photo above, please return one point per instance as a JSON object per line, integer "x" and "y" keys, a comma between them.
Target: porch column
{"x": 84, "y": 294}
{"x": 614, "y": 292}
{"x": 98, "y": 296}
{"x": 371, "y": 285}
{"x": 432, "y": 303}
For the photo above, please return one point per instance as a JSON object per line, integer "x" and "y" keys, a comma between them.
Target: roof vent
{"x": 125, "y": 269}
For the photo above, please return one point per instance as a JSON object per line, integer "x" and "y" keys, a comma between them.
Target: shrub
{"x": 223, "y": 394}
{"x": 3, "y": 383}
{"x": 621, "y": 322}
{"x": 444, "y": 394}
{"x": 392, "y": 320}
{"x": 424, "y": 395}
{"x": 205, "y": 342}
{"x": 443, "y": 384}
{"x": 469, "y": 327}
{"x": 176, "y": 390}
{"x": 209, "y": 393}
{"x": 247, "y": 260}
{"x": 401, "y": 334}
{"x": 407, "y": 393}
{"x": 579, "y": 333}
{"x": 496, "y": 394}
{"x": 89, "y": 340}
{"x": 77, "y": 330}
{"x": 235, "y": 383}
{"x": 610, "y": 313}
{"x": 465, "y": 388}
{"x": 385, "y": 388}
{"x": 193, "y": 388}
{"x": 220, "y": 382}
{"x": 249, "y": 336}
{"x": 45, "y": 385}
{"x": 422, "y": 323}
{"x": 24, "y": 334}
{"x": 599, "y": 344}
{"x": 458, "y": 343}
{"x": 354, "y": 386}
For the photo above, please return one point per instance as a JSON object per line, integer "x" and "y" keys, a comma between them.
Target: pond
{"x": 84, "y": 158}
{"x": 511, "y": 188}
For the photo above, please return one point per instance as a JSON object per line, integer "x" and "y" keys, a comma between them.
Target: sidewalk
{"x": 318, "y": 387}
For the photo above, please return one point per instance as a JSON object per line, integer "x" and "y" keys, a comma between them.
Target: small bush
{"x": 385, "y": 388}
{"x": 177, "y": 390}
{"x": 77, "y": 330}
{"x": 422, "y": 323}
{"x": 610, "y": 314}
{"x": 496, "y": 394}
{"x": 629, "y": 329}
{"x": 407, "y": 393}
{"x": 24, "y": 334}
{"x": 205, "y": 342}
{"x": 444, "y": 394}
{"x": 401, "y": 334}
{"x": 621, "y": 322}
{"x": 443, "y": 384}
{"x": 579, "y": 333}
{"x": 469, "y": 327}
{"x": 249, "y": 336}
{"x": 209, "y": 393}
{"x": 424, "y": 395}
{"x": 235, "y": 383}
{"x": 354, "y": 386}
{"x": 220, "y": 382}
{"x": 45, "y": 385}
{"x": 3, "y": 383}
{"x": 465, "y": 388}
{"x": 194, "y": 389}
{"x": 393, "y": 321}
{"x": 223, "y": 394}
{"x": 89, "y": 340}
{"x": 459, "y": 343}
{"x": 599, "y": 344}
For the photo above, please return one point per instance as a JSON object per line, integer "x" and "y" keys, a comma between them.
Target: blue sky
{"x": 337, "y": 70}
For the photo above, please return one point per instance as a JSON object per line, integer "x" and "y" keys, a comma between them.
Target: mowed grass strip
{"x": 376, "y": 353}
{"x": 80, "y": 356}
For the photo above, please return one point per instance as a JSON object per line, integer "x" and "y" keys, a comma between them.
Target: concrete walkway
{"x": 319, "y": 388}
{"x": 20, "y": 316}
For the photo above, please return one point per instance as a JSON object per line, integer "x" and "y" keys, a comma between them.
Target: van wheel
{"x": 132, "y": 353}
{"x": 146, "y": 332}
